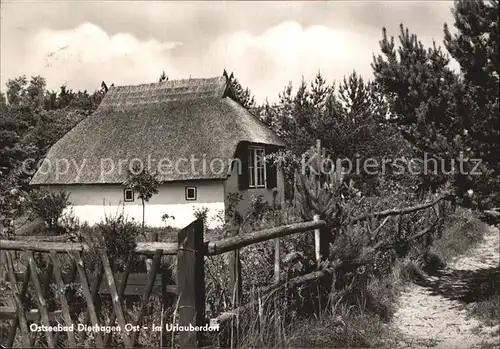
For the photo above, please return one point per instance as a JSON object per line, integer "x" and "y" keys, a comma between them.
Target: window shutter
{"x": 243, "y": 177}
{"x": 271, "y": 175}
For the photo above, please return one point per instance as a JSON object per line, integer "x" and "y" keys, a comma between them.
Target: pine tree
{"x": 243, "y": 95}
{"x": 442, "y": 113}
{"x": 354, "y": 95}
{"x": 320, "y": 91}
{"x": 475, "y": 47}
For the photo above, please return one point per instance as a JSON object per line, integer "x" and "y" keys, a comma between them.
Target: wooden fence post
{"x": 167, "y": 300}
{"x": 317, "y": 241}
{"x": 191, "y": 283}
{"x": 277, "y": 222}
{"x": 150, "y": 237}
{"x": 277, "y": 260}
{"x": 235, "y": 274}
{"x": 277, "y": 317}
{"x": 3, "y": 268}
{"x": 90, "y": 297}
{"x": 235, "y": 285}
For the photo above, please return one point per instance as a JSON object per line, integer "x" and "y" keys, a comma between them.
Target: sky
{"x": 265, "y": 44}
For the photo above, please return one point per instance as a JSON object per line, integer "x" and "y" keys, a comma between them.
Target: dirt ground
{"x": 433, "y": 315}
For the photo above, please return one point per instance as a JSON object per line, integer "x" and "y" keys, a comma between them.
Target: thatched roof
{"x": 171, "y": 120}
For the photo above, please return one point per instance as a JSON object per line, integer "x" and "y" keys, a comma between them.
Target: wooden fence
{"x": 190, "y": 251}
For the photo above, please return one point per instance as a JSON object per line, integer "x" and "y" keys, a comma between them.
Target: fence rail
{"x": 145, "y": 248}
{"x": 190, "y": 251}
{"x": 240, "y": 241}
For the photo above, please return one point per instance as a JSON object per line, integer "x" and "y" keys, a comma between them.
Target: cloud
{"x": 288, "y": 51}
{"x": 85, "y": 55}
{"x": 264, "y": 60}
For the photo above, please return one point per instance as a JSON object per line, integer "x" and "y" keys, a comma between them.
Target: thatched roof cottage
{"x": 202, "y": 143}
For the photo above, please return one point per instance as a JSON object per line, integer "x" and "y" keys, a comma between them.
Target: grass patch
{"x": 462, "y": 231}
{"x": 352, "y": 318}
{"x": 408, "y": 269}
{"x": 341, "y": 331}
{"x": 487, "y": 311}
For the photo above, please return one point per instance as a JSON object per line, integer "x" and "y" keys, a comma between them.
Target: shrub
{"x": 463, "y": 229}
{"x": 11, "y": 206}
{"x": 407, "y": 270}
{"x": 259, "y": 208}
{"x": 114, "y": 234}
{"x": 487, "y": 310}
{"x": 201, "y": 212}
{"x": 48, "y": 205}
{"x": 165, "y": 217}
{"x": 231, "y": 213}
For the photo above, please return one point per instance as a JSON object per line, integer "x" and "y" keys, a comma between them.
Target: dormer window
{"x": 256, "y": 167}
{"x": 256, "y": 171}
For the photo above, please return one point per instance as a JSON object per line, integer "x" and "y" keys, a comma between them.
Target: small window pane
{"x": 251, "y": 167}
{"x": 251, "y": 157}
{"x": 251, "y": 173}
{"x": 191, "y": 193}
{"x": 128, "y": 195}
{"x": 261, "y": 177}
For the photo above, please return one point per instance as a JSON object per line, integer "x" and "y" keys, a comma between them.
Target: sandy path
{"x": 431, "y": 315}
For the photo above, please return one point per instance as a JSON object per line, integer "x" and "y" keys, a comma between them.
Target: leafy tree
{"x": 3, "y": 101}
{"x": 421, "y": 86}
{"x": 9, "y": 153}
{"x": 145, "y": 184}
{"x": 32, "y": 119}
{"x": 362, "y": 128}
{"x": 14, "y": 90}
{"x": 10, "y": 205}
{"x": 27, "y": 95}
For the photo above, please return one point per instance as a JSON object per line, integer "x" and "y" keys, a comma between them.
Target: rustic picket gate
{"x": 117, "y": 285}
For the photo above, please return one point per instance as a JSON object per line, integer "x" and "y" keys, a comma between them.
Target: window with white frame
{"x": 190, "y": 193}
{"x": 256, "y": 167}
{"x": 128, "y": 195}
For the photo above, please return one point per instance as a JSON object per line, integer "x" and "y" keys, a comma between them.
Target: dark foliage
{"x": 447, "y": 115}
{"x": 48, "y": 205}
{"x": 32, "y": 119}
